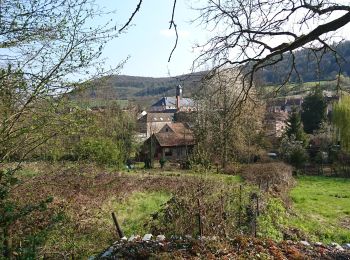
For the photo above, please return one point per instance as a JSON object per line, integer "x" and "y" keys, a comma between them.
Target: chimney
{"x": 178, "y": 96}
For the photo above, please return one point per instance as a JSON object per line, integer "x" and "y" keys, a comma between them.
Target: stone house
{"x": 175, "y": 141}
{"x": 151, "y": 123}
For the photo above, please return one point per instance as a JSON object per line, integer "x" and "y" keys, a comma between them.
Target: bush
{"x": 298, "y": 157}
{"x": 274, "y": 173}
{"x": 293, "y": 152}
{"x": 100, "y": 150}
{"x": 272, "y": 220}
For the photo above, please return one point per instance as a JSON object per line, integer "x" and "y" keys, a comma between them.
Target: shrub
{"x": 274, "y": 173}
{"x": 162, "y": 162}
{"x": 293, "y": 152}
{"x": 100, "y": 150}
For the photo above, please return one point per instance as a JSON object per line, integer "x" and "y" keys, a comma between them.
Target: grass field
{"x": 302, "y": 89}
{"x": 322, "y": 207}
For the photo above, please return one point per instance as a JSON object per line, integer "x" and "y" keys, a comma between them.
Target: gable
{"x": 166, "y": 129}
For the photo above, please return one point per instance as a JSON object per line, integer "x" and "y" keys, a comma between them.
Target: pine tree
{"x": 295, "y": 127}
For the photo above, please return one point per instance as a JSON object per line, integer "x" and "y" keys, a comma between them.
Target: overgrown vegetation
{"x": 62, "y": 208}
{"x": 102, "y": 136}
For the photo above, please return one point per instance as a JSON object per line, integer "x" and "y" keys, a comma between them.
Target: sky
{"x": 148, "y": 41}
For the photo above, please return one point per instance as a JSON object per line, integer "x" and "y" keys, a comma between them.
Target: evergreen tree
{"x": 295, "y": 126}
{"x": 313, "y": 111}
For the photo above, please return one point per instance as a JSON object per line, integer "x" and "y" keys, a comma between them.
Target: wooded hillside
{"x": 145, "y": 90}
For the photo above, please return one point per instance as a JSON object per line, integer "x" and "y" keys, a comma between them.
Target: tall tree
{"x": 295, "y": 127}
{"x": 313, "y": 111}
{"x": 226, "y": 134}
{"x": 50, "y": 44}
{"x": 341, "y": 119}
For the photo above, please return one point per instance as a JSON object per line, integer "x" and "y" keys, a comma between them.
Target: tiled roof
{"x": 170, "y": 139}
{"x": 171, "y": 102}
{"x": 160, "y": 117}
{"x": 179, "y": 136}
{"x": 180, "y": 128}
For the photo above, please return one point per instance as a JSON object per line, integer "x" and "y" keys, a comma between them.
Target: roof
{"x": 160, "y": 117}
{"x": 156, "y": 117}
{"x": 171, "y": 102}
{"x": 294, "y": 102}
{"x": 180, "y": 128}
{"x": 170, "y": 139}
{"x": 179, "y": 136}
{"x": 290, "y": 101}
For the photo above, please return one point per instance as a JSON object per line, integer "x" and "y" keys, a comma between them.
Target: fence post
{"x": 240, "y": 206}
{"x": 257, "y": 213}
{"x": 199, "y": 218}
{"x": 119, "y": 230}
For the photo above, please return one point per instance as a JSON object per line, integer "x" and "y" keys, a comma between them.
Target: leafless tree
{"x": 223, "y": 131}
{"x": 251, "y": 35}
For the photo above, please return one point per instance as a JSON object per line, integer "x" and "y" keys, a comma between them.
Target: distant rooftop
{"x": 171, "y": 102}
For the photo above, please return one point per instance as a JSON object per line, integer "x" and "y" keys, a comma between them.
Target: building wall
{"x": 173, "y": 153}
{"x": 154, "y": 127}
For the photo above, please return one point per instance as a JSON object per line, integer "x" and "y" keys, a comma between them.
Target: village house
{"x": 161, "y": 113}
{"x": 277, "y": 114}
{"x": 278, "y": 110}
{"x": 151, "y": 122}
{"x": 174, "y": 104}
{"x": 285, "y": 104}
{"x": 275, "y": 123}
{"x": 175, "y": 141}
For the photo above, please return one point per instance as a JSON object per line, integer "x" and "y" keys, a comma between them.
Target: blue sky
{"x": 148, "y": 41}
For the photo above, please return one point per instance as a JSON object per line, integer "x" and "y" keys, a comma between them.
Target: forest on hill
{"x": 311, "y": 66}
{"x": 137, "y": 88}
{"x": 144, "y": 90}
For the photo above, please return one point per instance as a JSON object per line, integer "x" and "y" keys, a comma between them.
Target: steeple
{"x": 178, "y": 96}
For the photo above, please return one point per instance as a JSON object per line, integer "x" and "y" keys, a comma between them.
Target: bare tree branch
{"x": 252, "y": 35}
{"x": 173, "y": 24}
{"x": 131, "y": 17}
